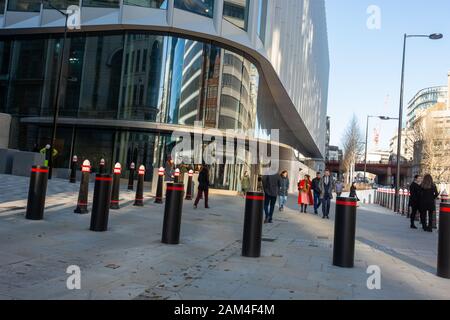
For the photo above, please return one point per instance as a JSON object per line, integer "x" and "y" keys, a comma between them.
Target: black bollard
{"x": 84, "y": 188}
{"x": 172, "y": 213}
{"x": 131, "y": 176}
{"x": 139, "y": 200}
{"x": 443, "y": 265}
{"x": 344, "y": 232}
{"x": 37, "y": 192}
{"x": 189, "y": 188}
{"x": 159, "y": 187}
{"x": 73, "y": 170}
{"x": 101, "y": 168}
{"x": 253, "y": 224}
{"x": 101, "y": 202}
{"x": 115, "y": 202}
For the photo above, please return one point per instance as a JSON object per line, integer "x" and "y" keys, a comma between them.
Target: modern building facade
{"x": 425, "y": 99}
{"x": 137, "y": 70}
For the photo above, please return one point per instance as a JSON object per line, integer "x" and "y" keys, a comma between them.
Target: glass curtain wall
{"x": 2, "y": 6}
{"x": 133, "y": 76}
{"x": 24, "y": 5}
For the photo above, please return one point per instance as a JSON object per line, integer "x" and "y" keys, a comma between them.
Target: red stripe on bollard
{"x": 347, "y": 203}
{"x": 445, "y": 210}
{"x": 39, "y": 170}
{"x": 175, "y": 188}
{"x": 259, "y": 198}
{"x": 103, "y": 179}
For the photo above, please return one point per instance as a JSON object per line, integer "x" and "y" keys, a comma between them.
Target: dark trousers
{"x": 326, "y": 205}
{"x": 426, "y": 217}
{"x": 269, "y": 206}
{"x": 199, "y": 196}
{"x": 414, "y": 210}
{"x": 316, "y": 201}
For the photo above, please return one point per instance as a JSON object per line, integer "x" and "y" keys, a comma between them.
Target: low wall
{"x": 5, "y": 126}
{"x": 23, "y": 161}
{"x": 6, "y": 160}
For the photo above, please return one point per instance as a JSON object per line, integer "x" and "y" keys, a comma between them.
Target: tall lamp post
{"x": 367, "y": 138}
{"x": 434, "y": 36}
{"x": 57, "y": 100}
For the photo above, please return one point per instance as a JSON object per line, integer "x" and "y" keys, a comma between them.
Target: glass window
{"x": 5, "y": 55}
{"x": 159, "y": 4}
{"x": 101, "y": 3}
{"x": 60, "y": 4}
{"x": 236, "y": 12}
{"x": 262, "y": 19}
{"x": 2, "y": 6}
{"x": 24, "y": 5}
{"x": 141, "y": 83}
{"x": 203, "y": 7}
{"x": 27, "y": 75}
{"x": 101, "y": 74}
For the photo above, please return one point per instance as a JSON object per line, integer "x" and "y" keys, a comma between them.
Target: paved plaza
{"x": 129, "y": 261}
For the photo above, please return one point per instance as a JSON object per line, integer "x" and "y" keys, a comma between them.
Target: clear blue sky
{"x": 366, "y": 64}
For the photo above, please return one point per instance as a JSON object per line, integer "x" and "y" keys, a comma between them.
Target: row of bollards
{"x": 106, "y": 194}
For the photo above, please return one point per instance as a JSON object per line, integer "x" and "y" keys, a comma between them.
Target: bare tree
{"x": 353, "y": 144}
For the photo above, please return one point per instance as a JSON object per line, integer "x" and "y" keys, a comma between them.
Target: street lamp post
{"x": 367, "y": 138}
{"x": 434, "y": 36}
{"x": 57, "y": 100}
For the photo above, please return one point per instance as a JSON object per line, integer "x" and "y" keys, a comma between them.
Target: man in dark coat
{"x": 271, "y": 186}
{"x": 315, "y": 186}
{"x": 414, "y": 190}
{"x": 203, "y": 187}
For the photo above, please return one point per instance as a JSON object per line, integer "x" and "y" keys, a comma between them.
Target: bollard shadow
{"x": 407, "y": 259}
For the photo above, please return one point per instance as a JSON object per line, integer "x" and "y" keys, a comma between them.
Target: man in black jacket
{"x": 315, "y": 186}
{"x": 414, "y": 190}
{"x": 271, "y": 186}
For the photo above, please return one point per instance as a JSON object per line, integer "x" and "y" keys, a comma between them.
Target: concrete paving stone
{"x": 208, "y": 262}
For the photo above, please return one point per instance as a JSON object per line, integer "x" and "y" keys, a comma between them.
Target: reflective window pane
{"x": 141, "y": 82}
{"x": 101, "y": 3}
{"x": 24, "y": 5}
{"x": 27, "y": 75}
{"x": 262, "y": 19}
{"x": 159, "y": 4}
{"x": 236, "y": 12}
{"x": 203, "y": 7}
{"x": 2, "y": 6}
{"x": 101, "y": 76}
{"x": 60, "y": 4}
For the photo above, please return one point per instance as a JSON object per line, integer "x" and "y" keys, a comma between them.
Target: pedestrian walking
{"x": 245, "y": 183}
{"x": 326, "y": 193}
{"x": 305, "y": 197}
{"x": 414, "y": 190}
{"x": 203, "y": 187}
{"x": 169, "y": 170}
{"x": 427, "y": 202}
{"x": 315, "y": 186}
{"x": 353, "y": 190}
{"x": 259, "y": 184}
{"x": 339, "y": 188}
{"x": 284, "y": 189}
{"x": 271, "y": 186}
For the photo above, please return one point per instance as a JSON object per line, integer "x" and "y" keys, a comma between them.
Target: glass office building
{"x": 135, "y": 72}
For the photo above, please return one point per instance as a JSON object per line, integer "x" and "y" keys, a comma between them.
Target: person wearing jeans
{"x": 271, "y": 186}
{"x": 284, "y": 189}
